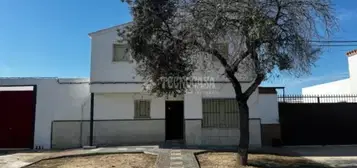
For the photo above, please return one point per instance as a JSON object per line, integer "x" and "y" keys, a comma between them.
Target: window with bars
{"x": 142, "y": 109}
{"x": 120, "y": 53}
{"x": 220, "y": 113}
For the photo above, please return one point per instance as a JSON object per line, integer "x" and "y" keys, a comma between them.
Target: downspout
{"x": 82, "y": 119}
{"x": 91, "y": 119}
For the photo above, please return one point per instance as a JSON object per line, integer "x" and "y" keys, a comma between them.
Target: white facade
{"x": 344, "y": 86}
{"x": 336, "y": 87}
{"x": 63, "y": 112}
{"x": 268, "y": 109}
{"x": 54, "y": 101}
{"x": 115, "y": 86}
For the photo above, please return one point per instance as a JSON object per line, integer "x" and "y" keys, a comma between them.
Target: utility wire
{"x": 335, "y": 45}
{"x": 335, "y": 41}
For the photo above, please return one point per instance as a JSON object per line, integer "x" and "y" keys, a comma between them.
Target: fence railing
{"x": 352, "y": 98}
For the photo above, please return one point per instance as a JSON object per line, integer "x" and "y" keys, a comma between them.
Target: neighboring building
{"x": 124, "y": 114}
{"x": 344, "y": 86}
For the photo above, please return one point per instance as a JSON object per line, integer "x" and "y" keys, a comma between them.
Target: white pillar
{"x": 193, "y": 118}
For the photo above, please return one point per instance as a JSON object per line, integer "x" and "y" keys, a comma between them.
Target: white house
{"x": 340, "y": 87}
{"x": 124, "y": 114}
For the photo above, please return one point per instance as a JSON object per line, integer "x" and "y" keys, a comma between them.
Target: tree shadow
{"x": 285, "y": 162}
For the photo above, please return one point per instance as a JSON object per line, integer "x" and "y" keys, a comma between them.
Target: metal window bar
{"x": 340, "y": 98}
{"x": 220, "y": 113}
{"x": 142, "y": 109}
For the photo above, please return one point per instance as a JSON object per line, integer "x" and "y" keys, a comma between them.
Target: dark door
{"x": 174, "y": 120}
{"x": 17, "y": 121}
{"x": 318, "y": 123}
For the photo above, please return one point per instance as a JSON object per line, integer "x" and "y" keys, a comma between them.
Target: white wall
{"x": 121, "y": 106}
{"x": 345, "y": 86}
{"x": 336, "y": 87}
{"x": 54, "y": 101}
{"x": 104, "y": 70}
{"x": 352, "y": 65}
{"x": 102, "y": 67}
{"x": 72, "y": 102}
{"x": 116, "y": 88}
{"x": 268, "y": 108}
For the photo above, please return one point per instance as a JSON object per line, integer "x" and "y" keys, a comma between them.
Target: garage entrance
{"x": 17, "y": 110}
{"x": 318, "y": 120}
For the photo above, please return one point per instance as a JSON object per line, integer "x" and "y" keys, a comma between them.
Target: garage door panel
{"x": 318, "y": 124}
{"x": 17, "y": 110}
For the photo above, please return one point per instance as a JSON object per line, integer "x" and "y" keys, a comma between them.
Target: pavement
{"x": 178, "y": 157}
{"x": 167, "y": 158}
{"x": 334, "y": 156}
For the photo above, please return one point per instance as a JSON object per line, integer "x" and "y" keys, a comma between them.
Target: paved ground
{"x": 167, "y": 158}
{"x": 335, "y": 156}
{"x": 176, "y": 157}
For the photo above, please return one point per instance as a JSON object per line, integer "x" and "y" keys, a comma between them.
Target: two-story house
{"x": 126, "y": 114}
{"x": 56, "y": 113}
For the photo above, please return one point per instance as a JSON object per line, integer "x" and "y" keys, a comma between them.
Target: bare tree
{"x": 167, "y": 37}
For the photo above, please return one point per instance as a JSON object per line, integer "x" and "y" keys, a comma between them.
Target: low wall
{"x": 270, "y": 132}
{"x": 196, "y": 135}
{"x": 69, "y": 134}
{"x": 72, "y": 134}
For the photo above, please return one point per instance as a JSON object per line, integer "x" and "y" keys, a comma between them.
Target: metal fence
{"x": 318, "y": 98}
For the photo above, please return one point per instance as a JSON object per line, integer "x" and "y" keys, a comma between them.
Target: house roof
{"x": 267, "y": 90}
{"x": 351, "y": 53}
{"x": 109, "y": 29}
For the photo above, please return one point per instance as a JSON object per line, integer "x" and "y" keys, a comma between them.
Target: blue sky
{"x": 50, "y": 39}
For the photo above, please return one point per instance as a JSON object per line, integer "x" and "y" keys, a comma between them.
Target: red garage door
{"x": 17, "y": 110}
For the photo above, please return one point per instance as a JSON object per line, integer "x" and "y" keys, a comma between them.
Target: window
{"x": 222, "y": 48}
{"x": 220, "y": 113}
{"x": 120, "y": 53}
{"x": 142, "y": 109}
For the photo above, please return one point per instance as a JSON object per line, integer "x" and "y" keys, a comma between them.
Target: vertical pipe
{"x": 284, "y": 95}
{"x": 91, "y": 119}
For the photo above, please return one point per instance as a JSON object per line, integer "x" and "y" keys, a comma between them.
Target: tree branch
{"x": 258, "y": 80}
{"x": 230, "y": 74}
{"x": 238, "y": 61}
{"x": 278, "y": 12}
{"x": 215, "y": 53}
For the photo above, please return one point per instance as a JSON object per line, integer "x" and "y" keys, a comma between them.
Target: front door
{"x": 174, "y": 120}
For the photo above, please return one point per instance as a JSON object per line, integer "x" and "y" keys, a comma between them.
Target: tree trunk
{"x": 244, "y": 133}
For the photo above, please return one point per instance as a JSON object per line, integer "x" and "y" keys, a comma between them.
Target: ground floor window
{"x": 220, "y": 113}
{"x": 142, "y": 109}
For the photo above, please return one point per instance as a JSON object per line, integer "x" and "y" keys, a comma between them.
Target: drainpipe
{"x": 82, "y": 119}
{"x": 91, "y": 119}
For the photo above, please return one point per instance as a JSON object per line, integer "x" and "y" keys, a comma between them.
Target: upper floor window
{"x": 120, "y": 53}
{"x": 222, "y": 48}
